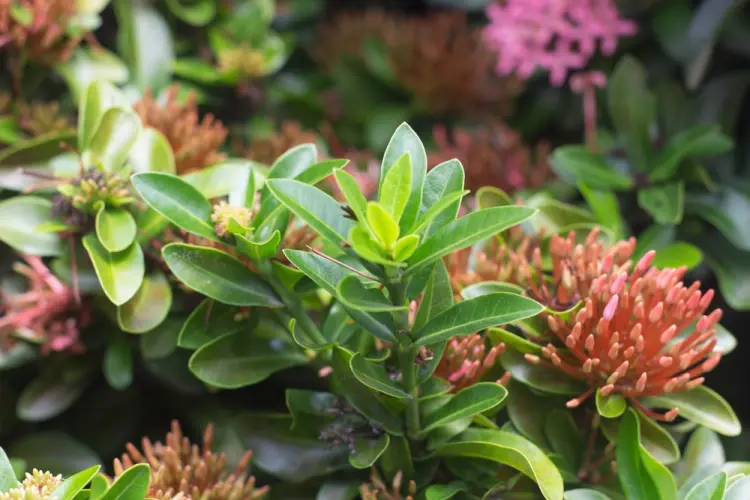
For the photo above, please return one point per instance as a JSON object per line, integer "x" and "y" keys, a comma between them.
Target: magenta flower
{"x": 557, "y": 35}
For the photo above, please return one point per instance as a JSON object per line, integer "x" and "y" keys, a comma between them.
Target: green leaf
{"x": 121, "y": 273}
{"x": 350, "y": 189}
{"x": 475, "y": 315}
{"x": 152, "y": 153}
{"x": 632, "y": 108}
{"x": 115, "y": 229}
{"x": 319, "y": 211}
{"x": 584, "y": 494}
{"x": 677, "y": 255}
{"x": 405, "y": 247}
{"x": 243, "y": 194}
{"x": 611, "y": 406}
{"x": 118, "y": 363}
{"x": 221, "y": 179}
{"x": 438, "y": 296}
{"x": 442, "y": 181}
{"x": 467, "y": 402}
{"x": 99, "y": 97}
{"x": 732, "y": 268}
{"x": 148, "y": 307}
{"x": 373, "y": 375}
{"x": 218, "y": 275}
{"x": 74, "y": 484}
{"x": 739, "y": 490}
{"x": 655, "y": 439}
{"x": 443, "y": 491}
{"x": 114, "y": 137}
{"x": 54, "y": 451}
{"x": 466, "y": 231}
{"x": 239, "y": 360}
{"x": 576, "y": 164}
{"x": 367, "y": 451}
{"x": 704, "y": 453}
{"x": 50, "y": 394}
{"x": 711, "y": 488}
{"x": 261, "y": 250}
{"x": 564, "y": 437}
{"x": 700, "y": 140}
{"x": 540, "y": 377}
{"x": 322, "y": 271}
{"x": 7, "y": 474}
{"x": 605, "y": 206}
{"x": 487, "y": 287}
{"x": 99, "y": 485}
{"x": 209, "y": 321}
{"x": 352, "y": 293}
{"x": 703, "y": 406}
{"x": 490, "y": 196}
{"x": 162, "y": 340}
{"x": 368, "y": 248}
{"x": 665, "y": 202}
{"x": 361, "y": 397}
{"x": 176, "y": 200}
{"x": 382, "y": 224}
{"x": 508, "y": 449}
{"x": 446, "y": 203}
{"x": 395, "y": 189}
{"x": 727, "y": 211}
{"x": 195, "y": 13}
{"x": 131, "y": 485}
{"x": 406, "y": 141}
{"x": 19, "y": 218}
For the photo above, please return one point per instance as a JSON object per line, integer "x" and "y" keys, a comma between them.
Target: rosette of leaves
{"x": 657, "y": 158}
{"x": 243, "y": 45}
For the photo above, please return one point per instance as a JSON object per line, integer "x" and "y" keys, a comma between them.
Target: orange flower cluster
{"x": 379, "y": 490}
{"x": 44, "y": 38}
{"x": 267, "y": 149}
{"x": 493, "y": 156}
{"x": 440, "y": 58}
{"x": 195, "y": 142}
{"x": 467, "y": 359}
{"x": 184, "y": 470}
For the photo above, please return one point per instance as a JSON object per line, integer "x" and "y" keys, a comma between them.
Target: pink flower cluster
{"x": 557, "y": 35}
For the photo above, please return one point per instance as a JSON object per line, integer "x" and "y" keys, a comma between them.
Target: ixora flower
{"x": 35, "y": 486}
{"x": 379, "y": 490}
{"x": 629, "y": 336}
{"x": 557, "y": 35}
{"x": 195, "y": 142}
{"x": 467, "y": 359}
{"x": 46, "y": 313}
{"x": 182, "y": 470}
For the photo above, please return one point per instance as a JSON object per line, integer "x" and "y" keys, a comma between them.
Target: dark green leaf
{"x": 367, "y": 451}
{"x": 732, "y": 268}
{"x": 729, "y": 212}
{"x": 207, "y": 322}
{"x": 406, "y": 141}
{"x": 438, "y": 296}
{"x": 162, "y": 340}
{"x": 700, "y": 140}
{"x": 703, "y": 406}
{"x": 51, "y": 393}
{"x": 605, "y": 206}
{"x": 564, "y": 437}
{"x": 352, "y": 293}
{"x": 468, "y": 402}
{"x": 121, "y": 273}
{"x": 576, "y": 164}
{"x": 19, "y": 218}
{"x": 540, "y": 377}
{"x": 443, "y": 491}
{"x": 118, "y": 363}
{"x": 374, "y": 376}
{"x": 148, "y": 307}
{"x": 665, "y": 202}
{"x": 218, "y": 275}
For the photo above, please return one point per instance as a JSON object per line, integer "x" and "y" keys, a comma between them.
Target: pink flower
{"x": 557, "y": 35}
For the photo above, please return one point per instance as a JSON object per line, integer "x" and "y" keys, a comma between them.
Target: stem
{"x": 589, "y": 114}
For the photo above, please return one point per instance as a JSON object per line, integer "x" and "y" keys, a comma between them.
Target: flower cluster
{"x": 223, "y": 213}
{"x": 467, "y": 359}
{"x": 94, "y": 187}
{"x": 493, "y": 156}
{"x": 195, "y": 142}
{"x": 557, "y": 35}
{"x": 36, "y": 486}
{"x": 267, "y": 148}
{"x": 379, "y": 490}
{"x": 46, "y": 313}
{"x": 37, "y": 118}
{"x": 242, "y": 61}
{"x": 180, "y": 469}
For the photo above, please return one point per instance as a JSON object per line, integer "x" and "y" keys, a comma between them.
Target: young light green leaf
{"x": 352, "y": 293}
{"x": 319, "y": 211}
{"x": 441, "y": 181}
{"x": 405, "y": 140}
{"x": 467, "y": 402}
{"x": 373, "y": 375}
{"x": 99, "y": 97}
{"x": 711, "y": 488}
{"x": 19, "y": 218}
{"x": 178, "y": 201}
{"x": 466, "y": 231}
{"x": 7, "y": 474}
{"x": 350, "y": 189}
{"x": 368, "y": 451}
{"x": 218, "y": 275}
{"x": 405, "y": 247}
{"x": 148, "y": 307}
{"x": 508, "y": 449}
{"x": 114, "y": 137}
{"x": 382, "y": 224}
{"x": 396, "y": 187}
{"x": 703, "y": 406}
{"x": 121, "y": 273}
{"x": 260, "y": 250}
{"x": 131, "y": 485}
{"x": 611, "y": 406}
{"x": 115, "y": 228}
{"x": 74, "y": 484}
{"x": 152, "y": 153}
{"x": 475, "y": 315}
{"x": 366, "y": 247}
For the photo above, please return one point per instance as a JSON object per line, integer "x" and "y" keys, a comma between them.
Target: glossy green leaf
{"x": 466, "y": 231}
{"x": 467, "y": 402}
{"x": 508, "y": 449}
{"x": 131, "y": 485}
{"x": 704, "y": 453}
{"x": 475, "y": 315}
{"x": 368, "y": 248}
{"x": 540, "y": 377}
{"x": 703, "y": 406}
{"x": 178, "y": 201}
{"x": 243, "y": 194}
{"x": 239, "y": 360}
{"x": 19, "y": 218}
{"x": 99, "y": 97}
{"x": 711, "y": 488}
{"x": 322, "y": 271}
{"x": 406, "y": 141}
{"x": 584, "y": 494}
{"x": 564, "y": 436}
{"x": 319, "y": 211}
{"x": 445, "y": 204}
{"x": 152, "y": 153}
{"x": 578, "y": 164}
{"x": 611, "y": 406}
{"x": 148, "y": 307}
{"x": 7, "y": 474}
{"x": 442, "y": 181}
{"x": 382, "y": 224}
{"x": 74, "y": 484}
{"x": 405, "y": 247}
{"x": 121, "y": 273}
{"x": 260, "y": 250}
{"x": 115, "y": 229}
{"x": 373, "y": 375}
{"x": 396, "y": 188}
{"x": 727, "y": 211}
{"x": 361, "y": 397}
{"x": 655, "y": 439}
{"x": 732, "y": 269}
{"x": 443, "y": 491}
{"x": 218, "y": 275}
{"x": 438, "y": 296}
{"x": 486, "y": 287}
{"x": 367, "y": 451}
{"x": 114, "y": 137}
{"x": 118, "y": 363}
{"x": 350, "y": 189}
{"x": 664, "y": 202}
{"x": 209, "y": 321}
{"x": 632, "y": 108}
{"x": 739, "y": 490}
{"x": 697, "y": 141}
{"x": 677, "y": 255}
{"x": 354, "y": 294}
